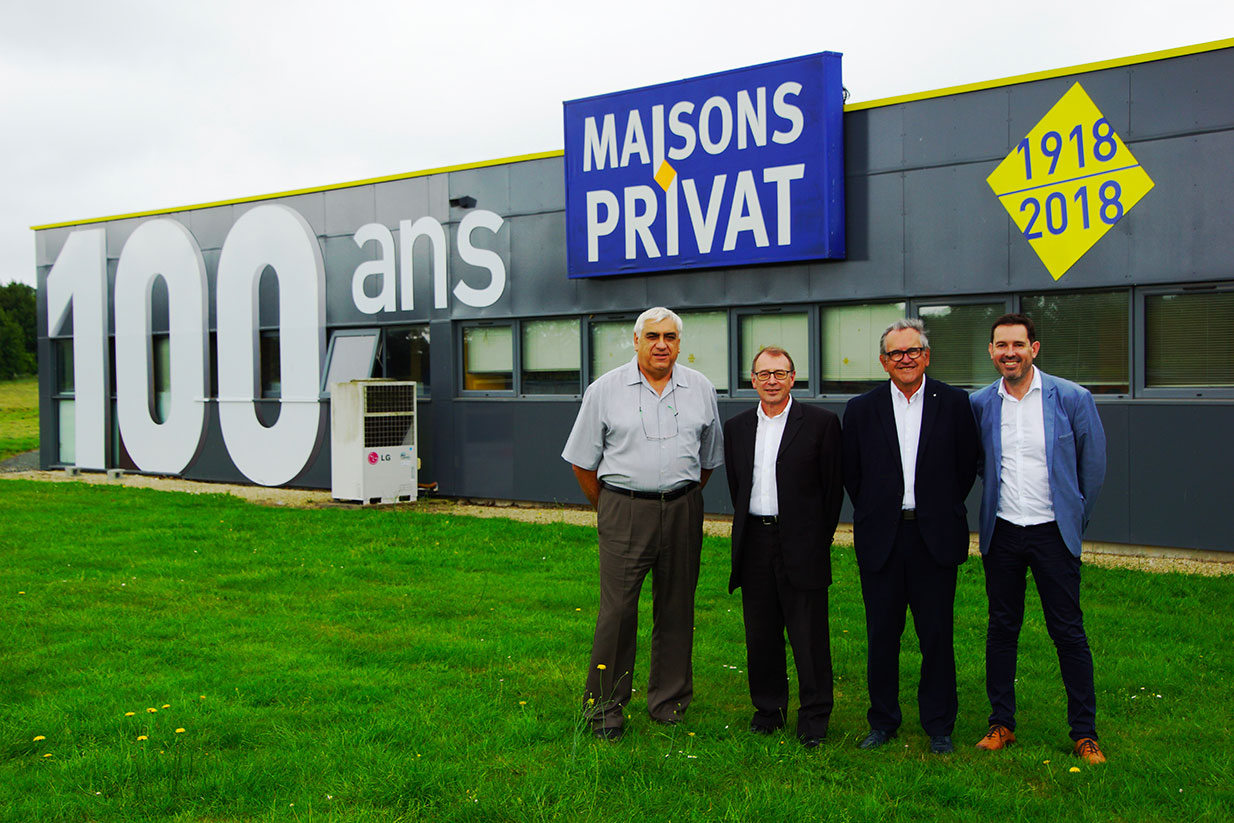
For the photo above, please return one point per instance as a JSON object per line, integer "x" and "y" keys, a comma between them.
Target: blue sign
{"x": 732, "y": 169}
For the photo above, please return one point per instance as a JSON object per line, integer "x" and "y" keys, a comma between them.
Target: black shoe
{"x": 813, "y": 741}
{"x": 941, "y": 744}
{"x": 758, "y": 728}
{"x": 876, "y": 738}
{"x": 671, "y": 722}
{"x": 610, "y": 733}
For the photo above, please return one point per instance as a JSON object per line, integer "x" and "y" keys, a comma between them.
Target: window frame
{"x": 1139, "y": 343}
{"x": 738, "y": 365}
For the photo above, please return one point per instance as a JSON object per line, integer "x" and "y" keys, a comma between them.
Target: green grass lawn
{"x": 382, "y": 664}
{"x": 19, "y": 416}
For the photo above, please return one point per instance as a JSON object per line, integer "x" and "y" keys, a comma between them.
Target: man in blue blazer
{"x": 910, "y": 458}
{"x": 1043, "y": 467}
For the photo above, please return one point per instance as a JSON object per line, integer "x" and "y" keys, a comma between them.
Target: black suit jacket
{"x": 947, "y": 456}
{"x": 809, "y": 484}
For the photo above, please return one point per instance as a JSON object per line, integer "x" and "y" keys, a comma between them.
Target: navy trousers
{"x": 1056, "y": 571}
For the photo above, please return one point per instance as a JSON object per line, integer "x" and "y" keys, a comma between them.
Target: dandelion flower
{"x": 179, "y": 731}
{"x": 1074, "y": 769}
{"x": 129, "y": 714}
{"x": 142, "y": 737}
{"x": 152, "y": 710}
{"x": 166, "y": 705}
{"x": 1046, "y": 762}
{"x": 691, "y": 734}
{"x": 601, "y": 666}
{"x": 38, "y": 738}
{"x": 47, "y": 755}
{"x": 522, "y": 702}
{"x": 203, "y": 697}
{"x": 591, "y": 701}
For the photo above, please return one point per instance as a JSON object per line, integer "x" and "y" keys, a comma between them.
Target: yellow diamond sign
{"x": 1069, "y": 181}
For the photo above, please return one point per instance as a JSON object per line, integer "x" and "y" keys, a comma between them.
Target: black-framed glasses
{"x": 899, "y": 354}
{"x": 766, "y": 374}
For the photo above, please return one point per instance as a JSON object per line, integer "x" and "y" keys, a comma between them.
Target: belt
{"x": 908, "y": 514}
{"x": 1007, "y": 524}
{"x": 663, "y": 497}
{"x": 768, "y": 520}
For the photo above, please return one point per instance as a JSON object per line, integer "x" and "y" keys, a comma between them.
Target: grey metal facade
{"x": 921, "y": 223}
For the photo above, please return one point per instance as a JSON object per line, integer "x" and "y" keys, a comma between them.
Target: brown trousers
{"x": 637, "y": 537}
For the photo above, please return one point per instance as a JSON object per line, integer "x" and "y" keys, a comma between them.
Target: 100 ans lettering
{"x": 273, "y": 236}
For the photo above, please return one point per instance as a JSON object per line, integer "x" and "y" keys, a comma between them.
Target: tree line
{"x": 18, "y": 331}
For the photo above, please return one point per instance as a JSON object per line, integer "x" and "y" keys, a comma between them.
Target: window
{"x": 488, "y": 358}
{"x": 790, "y": 331}
{"x": 62, "y": 352}
{"x": 960, "y": 342}
{"x": 1084, "y": 338}
{"x": 161, "y": 352}
{"x": 271, "y": 366}
{"x": 1189, "y": 340}
{"x": 551, "y": 359}
{"x": 704, "y": 345}
{"x": 850, "y": 346}
{"x": 612, "y": 345}
{"x": 407, "y": 354}
{"x": 350, "y": 357}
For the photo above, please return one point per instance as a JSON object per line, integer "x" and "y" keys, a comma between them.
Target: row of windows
{"x": 1184, "y": 348}
{"x": 1187, "y": 344}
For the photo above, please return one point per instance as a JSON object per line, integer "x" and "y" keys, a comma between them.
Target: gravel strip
{"x": 716, "y": 526}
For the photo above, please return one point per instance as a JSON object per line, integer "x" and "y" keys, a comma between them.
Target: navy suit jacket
{"x": 1074, "y": 455}
{"x": 808, "y": 485}
{"x": 947, "y": 456}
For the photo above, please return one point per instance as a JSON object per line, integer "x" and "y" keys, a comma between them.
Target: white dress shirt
{"x": 908, "y": 430}
{"x": 1024, "y": 479}
{"x": 764, "y": 494}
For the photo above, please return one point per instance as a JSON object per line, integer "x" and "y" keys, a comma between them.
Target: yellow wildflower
{"x": 47, "y": 755}
{"x": 601, "y": 666}
{"x": 179, "y": 731}
{"x": 142, "y": 737}
{"x": 129, "y": 714}
{"x": 38, "y": 738}
{"x": 166, "y": 705}
{"x": 522, "y": 702}
{"x": 152, "y": 710}
{"x": 1074, "y": 769}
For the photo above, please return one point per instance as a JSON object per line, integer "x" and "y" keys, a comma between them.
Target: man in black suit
{"x": 783, "y": 464}
{"x": 910, "y": 458}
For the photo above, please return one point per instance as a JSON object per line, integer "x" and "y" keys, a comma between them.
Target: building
{"x": 196, "y": 341}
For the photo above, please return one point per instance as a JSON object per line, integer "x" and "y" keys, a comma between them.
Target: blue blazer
{"x": 1074, "y": 455}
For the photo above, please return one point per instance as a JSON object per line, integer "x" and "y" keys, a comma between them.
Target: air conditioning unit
{"x": 373, "y": 454}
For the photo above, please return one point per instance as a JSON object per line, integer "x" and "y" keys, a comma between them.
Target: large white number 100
{"x": 268, "y": 235}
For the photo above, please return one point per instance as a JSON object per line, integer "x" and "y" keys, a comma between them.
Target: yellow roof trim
{"x": 1044, "y": 75}
{"x": 1182, "y": 51}
{"x": 501, "y": 161}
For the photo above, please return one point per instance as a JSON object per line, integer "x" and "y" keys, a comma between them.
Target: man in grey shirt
{"x": 645, "y": 442}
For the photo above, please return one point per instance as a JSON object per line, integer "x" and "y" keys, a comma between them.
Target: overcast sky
{"x": 116, "y": 106}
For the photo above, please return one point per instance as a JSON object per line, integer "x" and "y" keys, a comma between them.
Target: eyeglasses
{"x": 669, "y": 428}
{"x": 766, "y": 374}
{"x": 899, "y": 354}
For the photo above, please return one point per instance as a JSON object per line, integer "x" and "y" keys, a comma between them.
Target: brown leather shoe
{"x": 998, "y": 737}
{"x": 1087, "y": 750}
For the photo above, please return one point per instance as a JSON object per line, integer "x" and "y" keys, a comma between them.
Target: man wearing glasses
{"x": 1043, "y": 468}
{"x": 645, "y": 442}
{"x": 783, "y": 464}
{"x": 910, "y": 459}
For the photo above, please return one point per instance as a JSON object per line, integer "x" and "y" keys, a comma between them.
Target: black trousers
{"x": 911, "y": 580}
{"x": 1056, "y": 572}
{"x": 770, "y": 605}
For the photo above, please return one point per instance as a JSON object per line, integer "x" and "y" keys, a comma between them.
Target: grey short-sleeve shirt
{"x": 636, "y": 439}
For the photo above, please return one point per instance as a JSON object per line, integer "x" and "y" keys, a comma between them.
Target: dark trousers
{"x": 1056, "y": 572}
{"x": 637, "y": 537}
{"x": 771, "y": 604}
{"x": 911, "y": 579}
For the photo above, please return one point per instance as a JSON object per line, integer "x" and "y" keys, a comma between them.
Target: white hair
{"x": 656, "y": 315}
{"x": 900, "y": 325}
